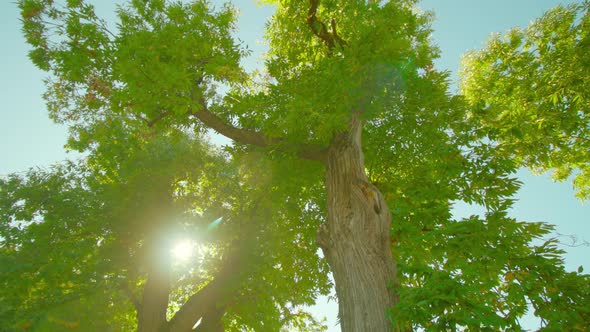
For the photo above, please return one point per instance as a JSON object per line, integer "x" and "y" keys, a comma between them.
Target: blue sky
{"x": 28, "y": 138}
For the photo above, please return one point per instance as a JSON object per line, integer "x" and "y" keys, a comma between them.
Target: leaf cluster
{"x": 528, "y": 90}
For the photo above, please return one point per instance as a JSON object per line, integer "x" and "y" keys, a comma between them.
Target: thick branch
{"x": 212, "y": 320}
{"x": 197, "y": 306}
{"x": 211, "y": 301}
{"x": 245, "y": 136}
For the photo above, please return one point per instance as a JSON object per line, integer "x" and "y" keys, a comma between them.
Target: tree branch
{"x": 319, "y": 28}
{"x": 211, "y": 301}
{"x": 212, "y": 320}
{"x": 250, "y": 137}
{"x": 196, "y": 307}
{"x": 157, "y": 118}
{"x": 134, "y": 300}
{"x": 245, "y": 136}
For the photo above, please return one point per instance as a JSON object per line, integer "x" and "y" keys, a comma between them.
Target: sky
{"x": 29, "y": 139}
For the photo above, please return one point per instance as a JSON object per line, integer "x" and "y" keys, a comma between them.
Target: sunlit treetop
{"x": 160, "y": 61}
{"x": 529, "y": 91}
{"x": 344, "y": 57}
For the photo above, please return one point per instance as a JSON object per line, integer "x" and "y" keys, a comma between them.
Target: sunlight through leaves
{"x": 182, "y": 251}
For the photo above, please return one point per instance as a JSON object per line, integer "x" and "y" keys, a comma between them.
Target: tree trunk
{"x": 154, "y": 304}
{"x": 356, "y": 238}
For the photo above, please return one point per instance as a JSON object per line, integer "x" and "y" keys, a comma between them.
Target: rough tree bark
{"x": 356, "y": 238}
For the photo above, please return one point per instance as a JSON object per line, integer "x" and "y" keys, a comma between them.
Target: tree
{"x": 86, "y": 246}
{"x": 529, "y": 92}
{"x": 45, "y": 275}
{"x": 412, "y": 265}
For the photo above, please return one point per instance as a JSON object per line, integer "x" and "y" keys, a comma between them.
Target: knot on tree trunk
{"x": 370, "y": 194}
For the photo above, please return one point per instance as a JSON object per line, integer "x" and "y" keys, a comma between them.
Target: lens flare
{"x": 182, "y": 251}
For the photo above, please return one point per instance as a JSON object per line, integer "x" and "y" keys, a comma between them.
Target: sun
{"x": 183, "y": 250}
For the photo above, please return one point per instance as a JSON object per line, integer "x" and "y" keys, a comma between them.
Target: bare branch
{"x": 574, "y": 241}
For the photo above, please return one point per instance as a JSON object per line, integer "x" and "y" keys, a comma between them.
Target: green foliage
{"x": 483, "y": 274}
{"x": 529, "y": 93}
{"x": 52, "y": 231}
{"x": 76, "y": 237}
{"x": 96, "y": 73}
{"x": 130, "y": 97}
{"x": 376, "y": 65}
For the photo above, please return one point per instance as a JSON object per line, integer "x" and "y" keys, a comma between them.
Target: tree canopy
{"x": 348, "y": 142}
{"x": 86, "y": 235}
{"x": 529, "y": 91}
